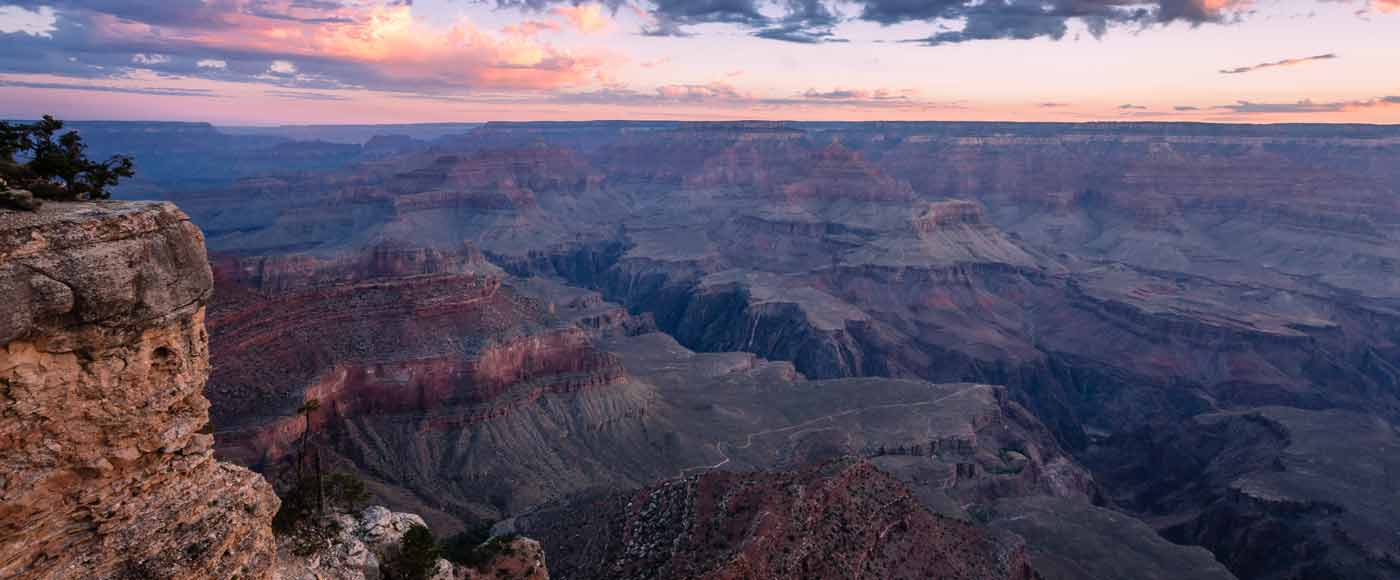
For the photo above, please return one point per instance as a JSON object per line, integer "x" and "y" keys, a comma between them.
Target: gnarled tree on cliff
{"x": 51, "y": 164}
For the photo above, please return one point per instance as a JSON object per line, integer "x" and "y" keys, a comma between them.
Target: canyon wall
{"x": 108, "y": 469}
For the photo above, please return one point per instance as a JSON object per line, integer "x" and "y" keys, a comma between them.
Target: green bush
{"x": 476, "y": 547}
{"x": 462, "y": 548}
{"x": 417, "y": 557}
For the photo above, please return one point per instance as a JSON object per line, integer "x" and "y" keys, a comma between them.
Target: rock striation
{"x": 841, "y": 519}
{"x": 1124, "y": 282}
{"x": 108, "y": 469}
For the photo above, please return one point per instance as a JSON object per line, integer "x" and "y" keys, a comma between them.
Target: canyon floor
{"x": 1097, "y": 351}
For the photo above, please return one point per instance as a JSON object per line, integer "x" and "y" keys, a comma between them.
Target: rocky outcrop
{"x": 365, "y": 542}
{"x": 517, "y": 558}
{"x": 841, "y": 519}
{"x": 18, "y": 199}
{"x": 108, "y": 469}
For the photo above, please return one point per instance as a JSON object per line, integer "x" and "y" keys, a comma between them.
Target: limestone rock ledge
{"x": 106, "y": 468}
{"x": 369, "y": 539}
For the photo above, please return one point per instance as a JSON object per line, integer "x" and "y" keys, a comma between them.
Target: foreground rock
{"x": 367, "y": 541}
{"x": 107, "y": 470}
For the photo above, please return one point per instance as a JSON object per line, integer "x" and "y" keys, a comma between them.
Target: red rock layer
{"x": 843, "y": 519}
{"x": 393, "y": 332}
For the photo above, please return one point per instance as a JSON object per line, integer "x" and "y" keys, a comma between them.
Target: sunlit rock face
{"x": 108, "y": 468}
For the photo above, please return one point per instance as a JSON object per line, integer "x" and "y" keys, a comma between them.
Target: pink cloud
{"x": 586, "y": 18}
{"x": 708, "y": 91}
{"x": 377, "y": 45}
{"x": 530, "y": 28}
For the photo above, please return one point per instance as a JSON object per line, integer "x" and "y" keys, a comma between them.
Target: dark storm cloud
{"x": 1277, "y": 63}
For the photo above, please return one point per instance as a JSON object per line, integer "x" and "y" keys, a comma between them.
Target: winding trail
{"x": 748, "y": 439}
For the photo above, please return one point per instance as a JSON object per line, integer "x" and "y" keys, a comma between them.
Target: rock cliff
{"x": 108, "y": 469}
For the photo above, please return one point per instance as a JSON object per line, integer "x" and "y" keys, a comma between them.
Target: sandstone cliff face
{"x": 107, "y": 470}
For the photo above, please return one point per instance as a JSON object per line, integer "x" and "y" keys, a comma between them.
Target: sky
{"x": 267, "y": 62}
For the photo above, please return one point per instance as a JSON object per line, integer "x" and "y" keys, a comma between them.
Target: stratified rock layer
{"x": 843, "y": 519}
{"x": 107, "y": 470}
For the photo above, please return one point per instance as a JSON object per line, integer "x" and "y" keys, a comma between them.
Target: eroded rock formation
{"x": 841, "y": 519}
{"x": 108, "y": 469}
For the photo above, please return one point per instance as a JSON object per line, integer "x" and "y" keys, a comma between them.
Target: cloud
{"x": 858, "y": 95}
{"x": 1310, "y": 106}
{"x": 799, "y": 21}
{"x": 705, "y": 92}
{"x": 1026, "y": 19}
{"x": 726, "y": 96}
{"x": 1278, "y": 63}
{"x": 1049, "y": 105}
{"x": 1185, "y": 108}
{"x": 100, "y": 88}
{"x": 282, "y": 68}
{"x": 671, "y": 17}
{"x": 586, "y": 18}
{"x": 320, "y": 44}
{"x": 139, "y": 58}
{"x": 38, "y": 21}
{"x": 528, "y": 28}
{"x": 305, "y": 95}
{"x": 813, "y": 21}
{"x": 1386, "y": 5}
{"x": 1132, "y": 107}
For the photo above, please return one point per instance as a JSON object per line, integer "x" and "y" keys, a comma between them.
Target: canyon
{"x": 1087, "y": 351}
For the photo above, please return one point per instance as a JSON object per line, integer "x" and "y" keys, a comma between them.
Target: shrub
{"x": 417, "y": 557}
{"x": 462, "y": 548}
{"x": 300, "y": 519}
{"x": 476, "y": 547}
